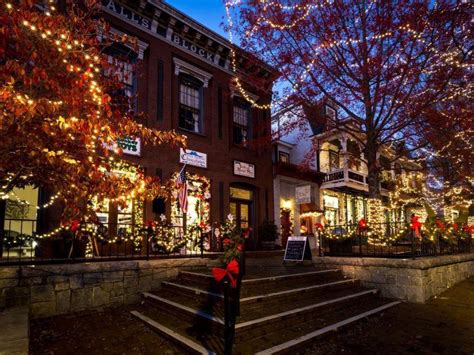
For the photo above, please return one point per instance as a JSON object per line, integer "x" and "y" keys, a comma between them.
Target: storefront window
{"x": 20, "y": 221}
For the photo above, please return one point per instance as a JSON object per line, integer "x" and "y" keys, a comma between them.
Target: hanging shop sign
{"x": 193, "y": 157}
{"x": 129, "y": 145}
{"x": 331, "y": 201}
{"x": 303, "y": 194}
{"x": 244, "y": 169}
{"x": 126, "y": 13}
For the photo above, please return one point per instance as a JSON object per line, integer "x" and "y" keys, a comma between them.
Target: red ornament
{"x": 362, "y": 224}
{"x": 231, "y": 271}
{"x": 240, "y": 247}
{"x": 226, "y": 241}
{"x": 455, "y": 226}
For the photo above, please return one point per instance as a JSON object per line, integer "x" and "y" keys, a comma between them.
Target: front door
{"x": 241, "y": 212}
{"x": 241, "y": 206}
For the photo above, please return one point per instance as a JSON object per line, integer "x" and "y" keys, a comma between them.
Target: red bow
{"x": 455, "y": 226}
{"x": 440, "y": 225}
{"x": 469, "y": 229}
{"x": 75, "y": 225}
{"x": 362, "y": 224}
{"x": 240, "y": 247}
{"x": 416, "y": 225}
{"x": 319, "y": 226}
{"x": 231, "y": 271}
{"x": 226, "y": 241}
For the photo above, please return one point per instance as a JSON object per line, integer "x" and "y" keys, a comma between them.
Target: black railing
{"x": 335, "y": 176}
{"x": 21, "y": 243}
{"x": 394, "y": 240}
{"x": 356, "y": 177}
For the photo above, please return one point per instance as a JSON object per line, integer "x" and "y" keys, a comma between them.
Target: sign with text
{"x": 180, "y": 41}
{"x": 331, "y": 201}
{"x": 129, "y": 145}
{"x": 303, "y": 194}
{"x": 127, "y": 13}
{"x": 244, "y": 169}
{"x": 193, "y": 157}
{"x": 297, "y": 249}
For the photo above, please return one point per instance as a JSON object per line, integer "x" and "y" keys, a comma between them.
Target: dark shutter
{"x": 159, "y": 102}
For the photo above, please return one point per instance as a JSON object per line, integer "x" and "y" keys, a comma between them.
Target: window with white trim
{"x": 190, "y": 104}
{"x": 241, "y": 124}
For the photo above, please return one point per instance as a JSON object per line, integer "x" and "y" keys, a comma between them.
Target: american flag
{"x": 182, "y": 186}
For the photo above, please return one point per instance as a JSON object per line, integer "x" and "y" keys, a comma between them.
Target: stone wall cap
{"x": 418, "y": 263}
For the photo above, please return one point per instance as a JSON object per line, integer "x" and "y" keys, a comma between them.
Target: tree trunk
{"x": 373, "y": 180}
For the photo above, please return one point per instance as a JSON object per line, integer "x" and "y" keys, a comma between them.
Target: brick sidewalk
{"x": 444, "y": 325}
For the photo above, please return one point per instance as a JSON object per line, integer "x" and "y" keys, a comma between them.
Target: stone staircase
{"x": 282, "y": 308}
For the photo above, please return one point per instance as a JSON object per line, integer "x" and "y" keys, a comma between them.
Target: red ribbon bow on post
{"x": 416, "y": 225}
{"x": 362, "y": 224}
{"x": 231, "y": 271}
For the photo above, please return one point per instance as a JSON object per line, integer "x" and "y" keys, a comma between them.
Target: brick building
{"x": 183, "y": 80}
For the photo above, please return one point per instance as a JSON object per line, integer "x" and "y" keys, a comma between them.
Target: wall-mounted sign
{"x": 192, "y": 157}
{"x": 331, "y": 201}
{"x": 193, "y": 48}
{"x": 125, "y": 12}
{"x": 244, "y": 169}
{"x": 129, "y": 145}
{"x": 303, "y": 194}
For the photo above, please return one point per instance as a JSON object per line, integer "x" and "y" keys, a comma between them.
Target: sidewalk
{"x": 14, "y": 331}
{"x": 444, "y": 325}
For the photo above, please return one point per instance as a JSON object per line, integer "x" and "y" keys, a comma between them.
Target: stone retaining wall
{"x": 56, "y": 289}
{"x": 410, "y": 280}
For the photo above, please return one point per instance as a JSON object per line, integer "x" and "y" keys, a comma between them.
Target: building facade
{"x": 180, "y": 75}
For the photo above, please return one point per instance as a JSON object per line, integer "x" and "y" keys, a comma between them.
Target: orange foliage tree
{"x": 58, "y": 117}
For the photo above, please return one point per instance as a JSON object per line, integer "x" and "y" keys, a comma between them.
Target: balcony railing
{"x": 298, "y": 172}
{"x": 345, "y": 175}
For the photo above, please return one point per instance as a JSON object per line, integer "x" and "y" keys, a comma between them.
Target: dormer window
{"x": 331, "y": 113}
{"x": 283, "y": 157}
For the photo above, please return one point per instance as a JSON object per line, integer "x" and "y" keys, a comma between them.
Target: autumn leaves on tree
{"x": 63, "y": 108}
{"x": 393, "y": 68}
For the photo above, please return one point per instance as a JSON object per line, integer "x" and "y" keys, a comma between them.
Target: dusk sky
{"x": 208, "y": 12}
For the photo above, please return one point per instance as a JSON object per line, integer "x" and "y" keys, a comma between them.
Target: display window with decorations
{"x": 196, "y": 220}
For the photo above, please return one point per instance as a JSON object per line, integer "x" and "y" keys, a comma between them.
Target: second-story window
{"x": 190, "y": 104}
{"x": 122, "y": 62}
{"x": 241, "y": 124}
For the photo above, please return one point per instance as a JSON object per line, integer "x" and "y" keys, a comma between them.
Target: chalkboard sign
{"x": 297, "y": 249}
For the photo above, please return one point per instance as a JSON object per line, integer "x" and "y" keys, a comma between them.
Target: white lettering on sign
{"x": 126, "y": 13}
{"x": 193, "y": 48}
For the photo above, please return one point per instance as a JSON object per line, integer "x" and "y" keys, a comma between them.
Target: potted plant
{"x": 267, "y": 234}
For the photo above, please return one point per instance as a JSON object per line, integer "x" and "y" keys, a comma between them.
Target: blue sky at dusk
{"x": 208, "y": 12}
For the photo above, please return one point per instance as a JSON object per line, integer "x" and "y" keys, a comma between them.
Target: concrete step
{"x": 199, "y": 339}
{"x": 308, "y": 289}
{"x": 252, "y": 286}
{"x": 292, "y": 339}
